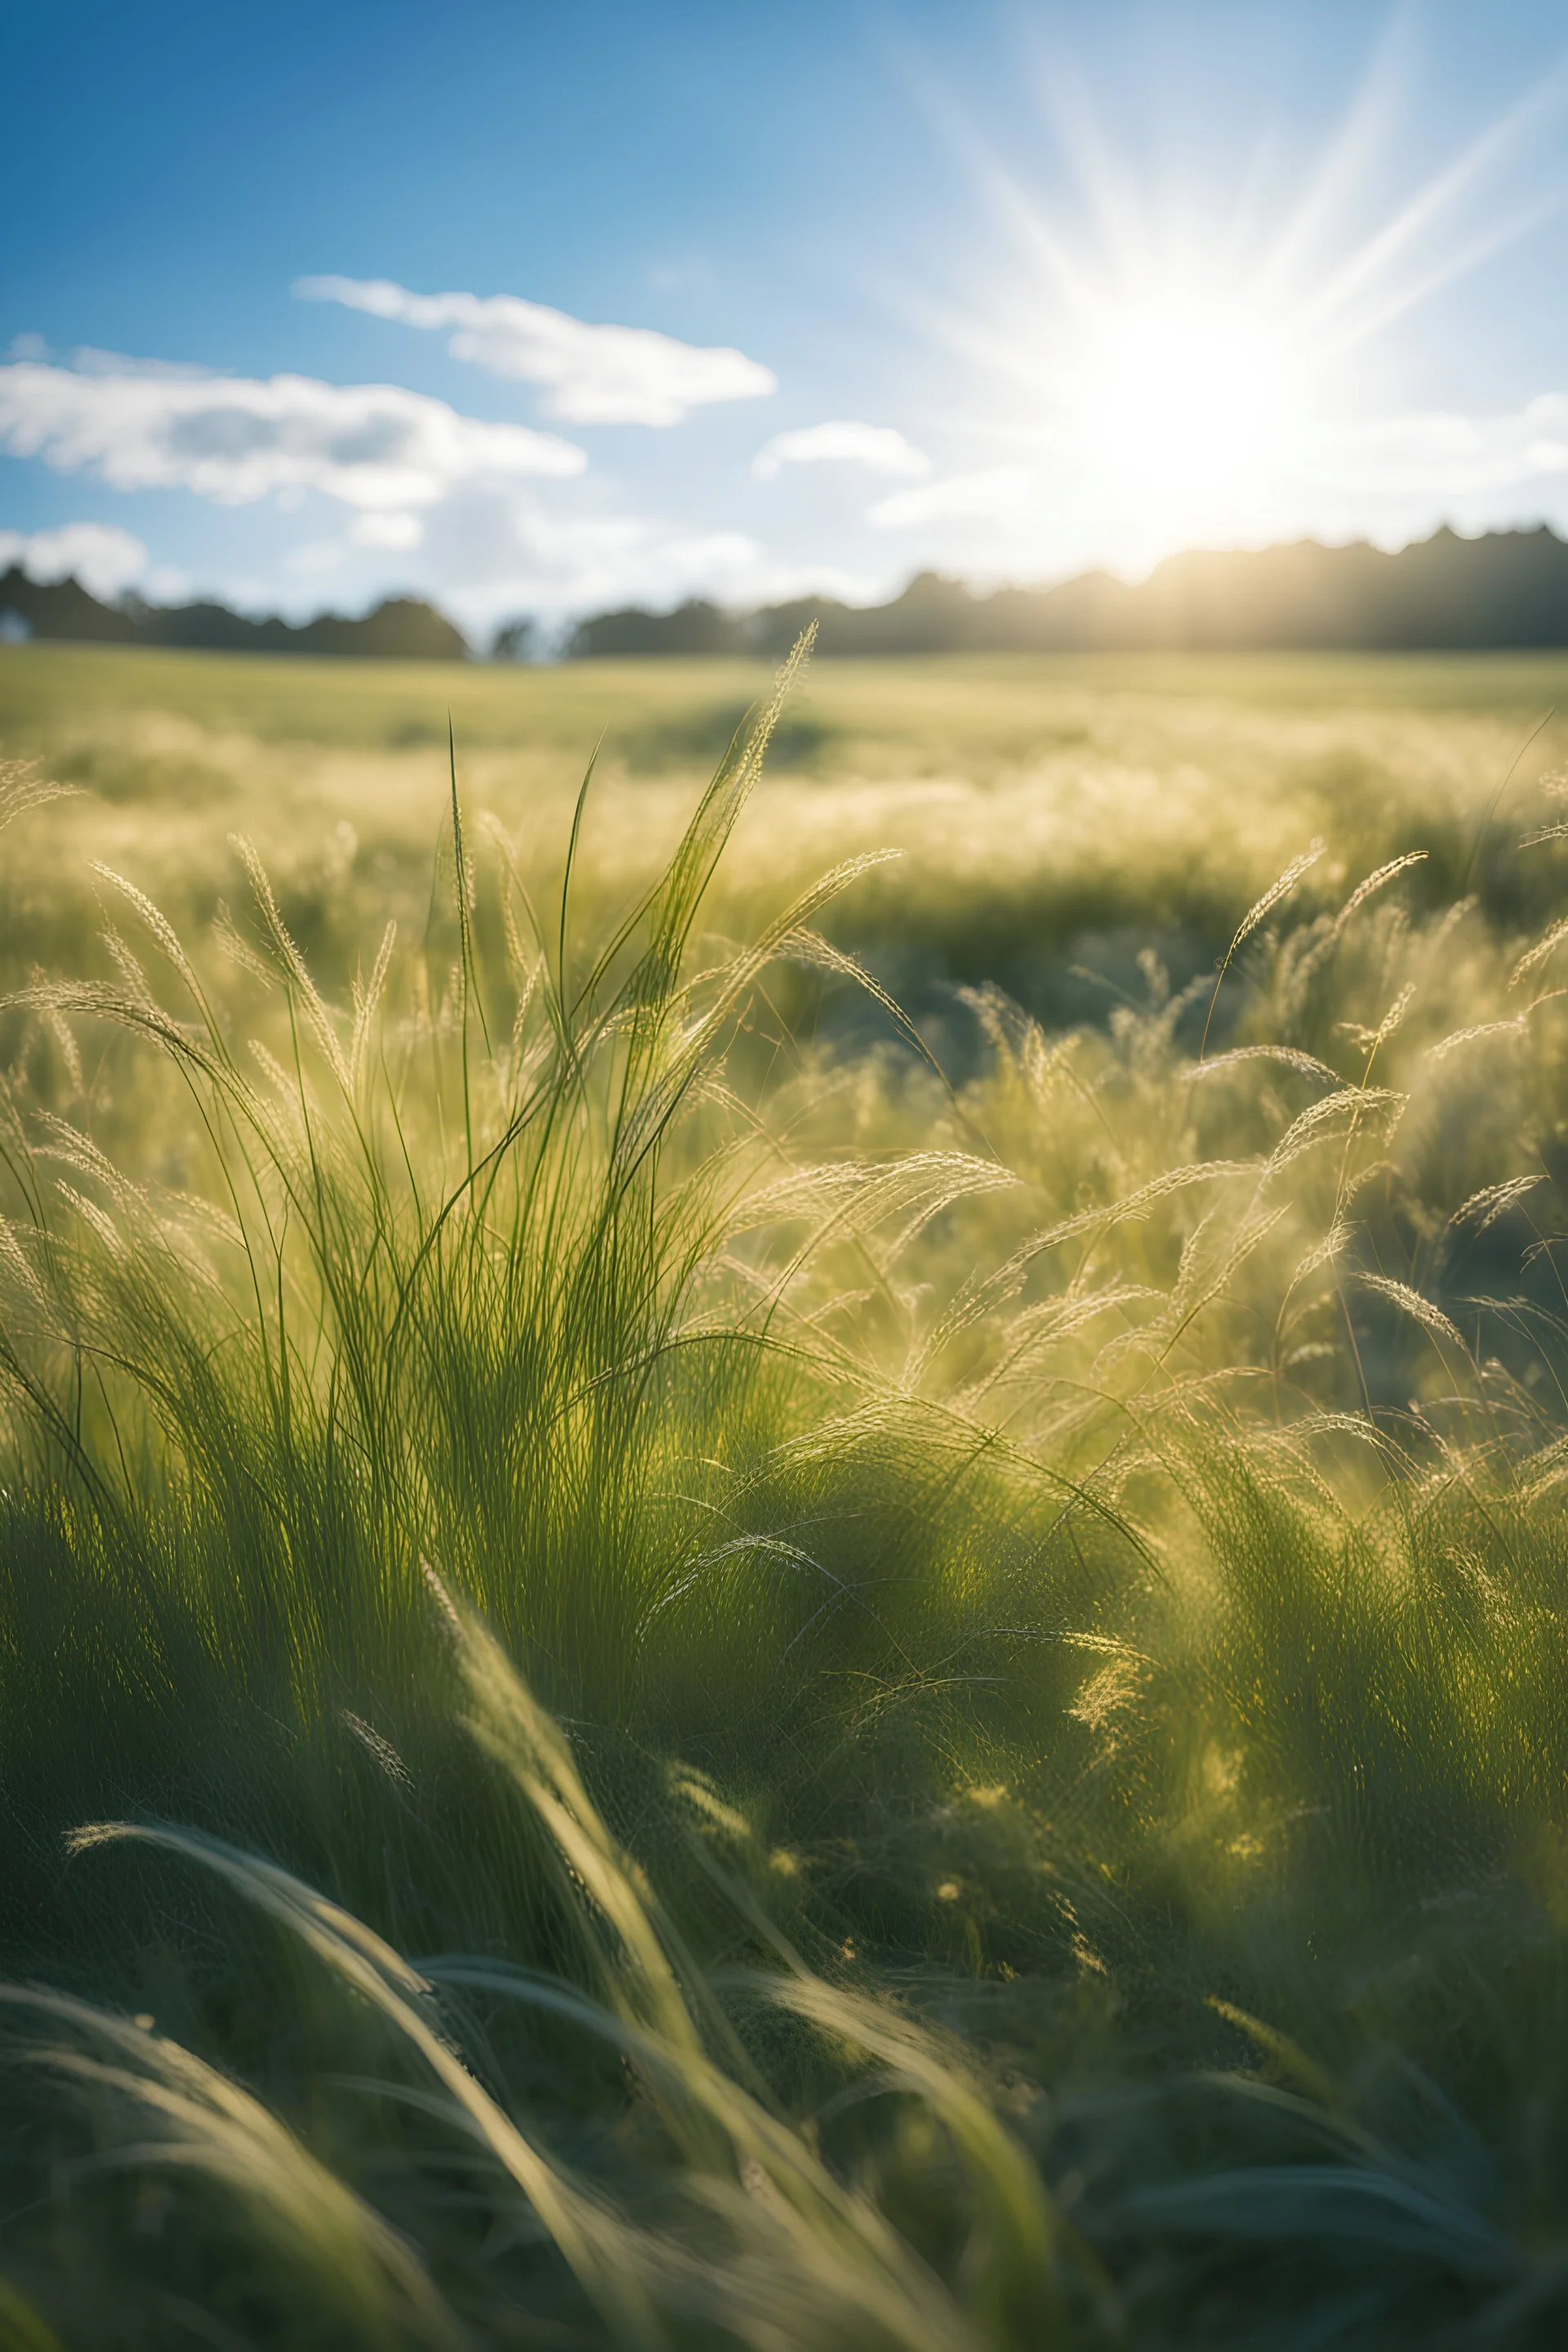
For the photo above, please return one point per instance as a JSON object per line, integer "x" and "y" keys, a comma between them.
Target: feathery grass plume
{"x": 23, "y": 790}
{"x": 293, "y": 962}
{"x": 1289, "y": 1058}
{"x": 1372, "y": 1041}
{"x": 1484, "y": 1208}
{"x": 1544, "y": 947}
{"x": 1278, "y": 889}
{"x": 1475, "y": 1033}
{"x": 367, "y": 998}
{"x": 1371, "y": 883}
{"x": 1410, "y": 1302}
{"x": 161, "y": 930}
{"x": 1378, "y": 1107}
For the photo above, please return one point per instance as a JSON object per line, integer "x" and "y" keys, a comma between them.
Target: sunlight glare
{"x": 1187, "y": 400}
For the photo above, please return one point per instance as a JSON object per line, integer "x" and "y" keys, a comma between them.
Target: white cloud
{"x": 596, "y": 376}
{"x": 992, "y": 496}
{"x": 878, "y": 447}
{"x": 495, "y": 555}
{"x": 235, "y": 438}
{"x": 486, "y": 559}
{"x": 104, "y": 559}
{"x": 1452, "y": 456}
{"x": 398, "y": 531}
{"x": 314, "y": 555}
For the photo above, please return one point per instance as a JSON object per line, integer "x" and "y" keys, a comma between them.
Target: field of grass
{"x": 751, "y": 1595}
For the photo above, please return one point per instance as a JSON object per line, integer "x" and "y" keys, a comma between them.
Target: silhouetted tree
{"x": 60, "y": 608}
{"x": 1506, "y": 588}
{"x": 696, "y": 627}
{"x": 516, "y": 641}
{"x": 402, "y": 628}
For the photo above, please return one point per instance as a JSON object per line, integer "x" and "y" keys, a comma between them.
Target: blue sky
{"x": 742, "y": 300}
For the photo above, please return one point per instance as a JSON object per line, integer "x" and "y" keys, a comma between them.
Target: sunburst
{"x": 1187, "y": 368}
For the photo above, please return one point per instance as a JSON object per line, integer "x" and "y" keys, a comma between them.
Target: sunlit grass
{"x": 709, "y": 1681}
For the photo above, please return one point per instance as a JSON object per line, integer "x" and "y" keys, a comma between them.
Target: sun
{"x": 1189, "y": 400}
{"x": 1189, "y": 347}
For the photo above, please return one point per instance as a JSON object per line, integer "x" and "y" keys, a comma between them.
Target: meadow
{"x": 756, "y": 1595}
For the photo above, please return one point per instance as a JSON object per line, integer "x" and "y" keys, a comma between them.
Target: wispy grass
{"x": 747, "y": 1693}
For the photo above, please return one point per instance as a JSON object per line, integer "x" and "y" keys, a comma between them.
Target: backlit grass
{"x": 688, "y": 1658}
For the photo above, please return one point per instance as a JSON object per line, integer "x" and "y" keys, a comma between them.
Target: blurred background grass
{"x": 1050, "y": 813}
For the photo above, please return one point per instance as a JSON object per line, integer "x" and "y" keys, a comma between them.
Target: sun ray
{"x": 1459, "y": 263}
{"x": 1182, "y": 367}
{"x": 1438, "y": 195}
{"x": 1363, "y": 134}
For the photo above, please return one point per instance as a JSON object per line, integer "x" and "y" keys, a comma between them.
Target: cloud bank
{"x": 235, "y": 439}
{"x": 593, "y": 374}
{"x": 478, "y": 507}
{"x": 520, "y": 557}
{"x": 878, "y": 447}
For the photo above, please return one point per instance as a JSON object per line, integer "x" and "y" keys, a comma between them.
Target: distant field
{"x": 1048, "y": 812}
{"x": 787, "y": 1656}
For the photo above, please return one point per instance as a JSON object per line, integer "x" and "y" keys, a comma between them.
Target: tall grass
{"x": 732, "y": 1693}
